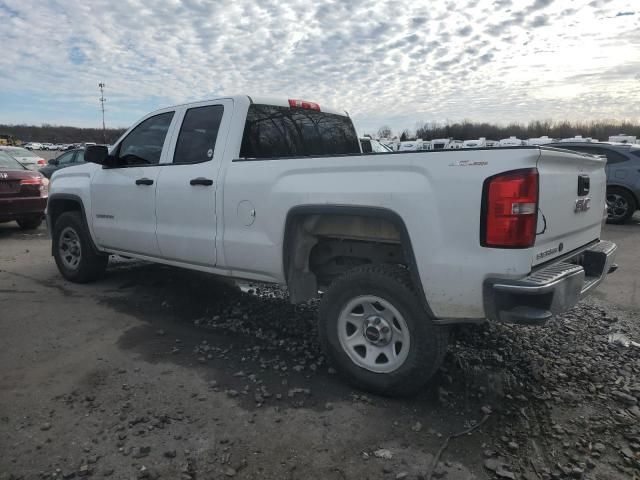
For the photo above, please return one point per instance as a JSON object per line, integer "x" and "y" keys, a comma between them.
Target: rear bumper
{"x": 550, "y": 290}
{"x": 14, "y": 208}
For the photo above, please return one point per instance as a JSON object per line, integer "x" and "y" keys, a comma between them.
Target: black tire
{"x": 621, "y": 205}
{"x": 29, "y": 223}
{"x": 428, "y": 342}
{"x": 91, "y": 265}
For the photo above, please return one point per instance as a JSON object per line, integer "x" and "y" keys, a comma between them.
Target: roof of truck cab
{"x": 260, "y": 100}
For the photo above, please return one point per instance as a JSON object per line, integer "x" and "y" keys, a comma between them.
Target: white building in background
{"x": 540, "y": 140}
{"x": 622, "y": 138}
{"x": 511, "y": 142}
{"x": 445, "y": 144}
{"x": 578, "y": 138}
{"x": 479, "y": 143}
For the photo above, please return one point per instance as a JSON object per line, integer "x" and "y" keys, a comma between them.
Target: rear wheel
{"x": 29, "y": 223}
{"x": 377, "y": 333}
{"x": 620, "y": 205}
{"x": 72, "y": 249}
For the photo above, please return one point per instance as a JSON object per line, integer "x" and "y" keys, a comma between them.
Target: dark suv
{"x": 623, "y": 175}
{"x": 67, "y": 159}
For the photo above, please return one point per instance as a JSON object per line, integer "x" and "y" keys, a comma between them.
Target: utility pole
{"x": 102, "y": 100}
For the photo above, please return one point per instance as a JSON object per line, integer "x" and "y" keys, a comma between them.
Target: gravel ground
{"x": 157, "y": 372}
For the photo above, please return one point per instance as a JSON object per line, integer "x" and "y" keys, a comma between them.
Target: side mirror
{"x": 53, "y": 161}
{"x": 96, "y": 154}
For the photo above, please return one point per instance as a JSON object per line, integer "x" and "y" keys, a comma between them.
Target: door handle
{"x": 207, "y": 182}
{"x": 144, "y": 181}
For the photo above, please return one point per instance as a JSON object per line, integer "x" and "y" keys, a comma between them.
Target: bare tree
{"x": 384, "y": 132}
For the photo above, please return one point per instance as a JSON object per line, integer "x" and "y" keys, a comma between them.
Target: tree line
{"x": 467, "y": 130}
{"x": 59, "y": 133}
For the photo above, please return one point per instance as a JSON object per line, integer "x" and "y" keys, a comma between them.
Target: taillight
{"x": 304, "y": 104}
{"x": 510, "y": 209}
{"x": 41, "y": 182}
{"x": 42, "y": 162}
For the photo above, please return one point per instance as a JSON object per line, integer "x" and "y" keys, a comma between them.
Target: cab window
{"x": 198, "y": 134}
{"x": 143, "y": 145}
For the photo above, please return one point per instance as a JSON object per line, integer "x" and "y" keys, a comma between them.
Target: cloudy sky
{"x": 385, "y": 62}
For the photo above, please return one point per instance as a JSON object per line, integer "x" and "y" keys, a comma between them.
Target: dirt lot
{"x": 156, "y": 372}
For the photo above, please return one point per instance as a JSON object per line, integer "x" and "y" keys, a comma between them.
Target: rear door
{"x": 123, "y": 197}
{"x": 188, "y": 184}
{"x": 572, "y": 189}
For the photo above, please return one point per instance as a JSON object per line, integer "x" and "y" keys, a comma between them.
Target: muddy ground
{"x": 156, "y": 372}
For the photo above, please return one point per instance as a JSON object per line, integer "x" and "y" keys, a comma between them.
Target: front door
{"x": 123, "y": 196}
{"x": 187, "y": 185}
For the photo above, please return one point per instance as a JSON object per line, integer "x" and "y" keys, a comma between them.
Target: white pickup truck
{"x": 402, "y": 244}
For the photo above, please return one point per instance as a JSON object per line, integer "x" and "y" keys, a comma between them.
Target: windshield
{"x": 9, "y": 163}
{"x": 20, "y": 152}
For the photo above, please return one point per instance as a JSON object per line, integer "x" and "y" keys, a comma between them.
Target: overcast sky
{"x": 385, "y": 62}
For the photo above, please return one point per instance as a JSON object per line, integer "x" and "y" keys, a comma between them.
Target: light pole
{"x": 102, "y": 100}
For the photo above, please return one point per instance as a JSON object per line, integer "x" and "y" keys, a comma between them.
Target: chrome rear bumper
{"x": 550, "y": 290}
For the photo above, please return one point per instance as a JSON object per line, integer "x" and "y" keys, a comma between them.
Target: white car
{"x": 33, "y": 146}
{"x": 26, "y": 157}
{"x": 511, "y": 142}
{"x": 369, "y": 145}
{"x": 402, "y": 244}
{"x": 446, "y": 144}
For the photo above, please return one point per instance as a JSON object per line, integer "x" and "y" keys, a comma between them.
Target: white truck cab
{"x": 279, "y": 191}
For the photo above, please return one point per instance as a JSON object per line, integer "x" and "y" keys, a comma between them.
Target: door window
{"x": 66, "y": 159}
{"x": 198, "y": 134}
{"x": 143, "y": 145}
{"x": 79, "y": 158}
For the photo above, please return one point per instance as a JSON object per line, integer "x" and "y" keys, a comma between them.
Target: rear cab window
{"x": 273, "y": 131}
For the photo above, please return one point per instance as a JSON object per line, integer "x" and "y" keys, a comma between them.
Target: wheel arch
{"x": 301, "y": 287}
{"x": 60, "y": 203}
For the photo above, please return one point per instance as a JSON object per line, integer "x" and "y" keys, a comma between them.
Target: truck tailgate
{"x": 572, "y": 190}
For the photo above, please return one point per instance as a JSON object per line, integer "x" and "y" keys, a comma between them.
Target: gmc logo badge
{"x": 582, "y": 205}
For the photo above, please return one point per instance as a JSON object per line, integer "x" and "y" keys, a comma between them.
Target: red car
{"x": 23, "y": 194}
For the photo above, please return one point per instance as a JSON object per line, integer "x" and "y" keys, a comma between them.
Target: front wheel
{"x": 377, "y": 333}
{"x": 75, "y": 257}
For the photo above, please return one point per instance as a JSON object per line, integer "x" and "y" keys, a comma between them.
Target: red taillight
{"x": 303, "y": 104}
{"x": 510, "y": 209}
{"x": 31, "y": 181}
{"x": 42, "y": 162}
{"x": 41, "y": 182}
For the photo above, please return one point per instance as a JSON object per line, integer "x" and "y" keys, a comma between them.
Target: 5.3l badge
{"x": 582, "y": 205}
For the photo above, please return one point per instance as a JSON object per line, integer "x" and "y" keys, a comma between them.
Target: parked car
{"x": 479, "y": 143}
{"x": 446, "y": 144}
{"x": 279, "y": 191}
{"x": 27, "y": 158}
{"x": 369, "y": 145}
{"x": 511, "y": 142}
{"x": 623, "y": 175}
{"x": 33, "y": 146}
{"x": 412, "y": 145}
{"x": 67, "y": 159}
{"x": 23, "y": 194}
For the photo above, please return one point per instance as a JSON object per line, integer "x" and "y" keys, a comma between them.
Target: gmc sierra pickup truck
{"x": 401, "y": 244}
